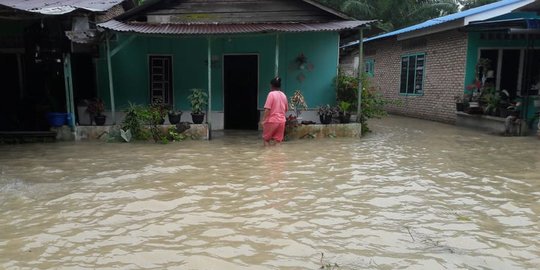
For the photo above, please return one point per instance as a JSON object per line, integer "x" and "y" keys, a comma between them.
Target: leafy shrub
{"x": 372, "y": 102}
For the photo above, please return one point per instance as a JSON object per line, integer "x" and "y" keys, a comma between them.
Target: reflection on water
{"x": 412, "y": 195}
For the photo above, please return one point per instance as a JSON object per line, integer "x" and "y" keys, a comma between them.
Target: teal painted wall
{"x": 475, "y": 43}
{"x": 130, "y": 66}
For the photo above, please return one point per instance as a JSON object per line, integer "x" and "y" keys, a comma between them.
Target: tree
{"x": 394, "y": 14}
{"x": 468, "y": 4}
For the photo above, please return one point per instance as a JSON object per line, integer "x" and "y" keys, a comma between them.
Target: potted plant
{"x": 95, "y": 109}
{"x": 297, "y": 102}
{"x": 174, "y": 116}
{"x": 325, "y": 114}
{"x": 158, "y": 110}
{"x": 344, "y": 112}
{"x": 491, "y": 100}
{"x": 460, "y": 105}
{"x": 198, "y": 99}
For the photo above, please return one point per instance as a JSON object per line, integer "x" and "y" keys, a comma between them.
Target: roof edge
{"x": 219, "y": 29}
{"x": 416, "y": 30}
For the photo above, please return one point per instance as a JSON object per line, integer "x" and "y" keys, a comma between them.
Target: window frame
{"x": 408, "y": 56}
{"x": 170, "y": 76}
{"x": 369, "y": 67}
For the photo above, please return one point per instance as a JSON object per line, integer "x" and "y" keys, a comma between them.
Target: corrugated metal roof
{"x": 210, "y": 29}
{"x": 447, "y": 18}
{"x": 57, "y": 7}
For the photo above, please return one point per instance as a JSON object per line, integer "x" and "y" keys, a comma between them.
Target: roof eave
{"x": 446, "y": 26}
{"x": 225, "y": 29}
{"x": 455, "y": 23}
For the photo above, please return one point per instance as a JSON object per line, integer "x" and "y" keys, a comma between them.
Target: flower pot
{"x": 325, "y": 119}
{"x": 197, "y": 118}
{"x": 344, "y": 118}
{"x": 100, "y": 120}
{"x": 460, "y": 106}
{"x": 174, "y": 118}
{"x": 56, "y": 119}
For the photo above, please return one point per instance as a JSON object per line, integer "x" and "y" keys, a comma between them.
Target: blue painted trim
{"x": 415, "y": 67}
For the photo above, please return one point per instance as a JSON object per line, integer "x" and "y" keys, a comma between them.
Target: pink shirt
{"x": 276, "y": 102}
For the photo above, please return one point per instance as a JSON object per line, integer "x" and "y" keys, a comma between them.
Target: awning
{"x": 211, "y": 29}
{"x": 510, "y": 26}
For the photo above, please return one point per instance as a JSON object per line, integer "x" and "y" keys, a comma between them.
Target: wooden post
{"x": 276, "y": 67}
{"x": 111, "y": 86}
{"x": 209, "y": 66}
{"x": 68, "y": 81}
{"x": 360, "y": 73}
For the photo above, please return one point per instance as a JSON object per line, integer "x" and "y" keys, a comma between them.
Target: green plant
{"x": 136, "y": 117}
{"x": 198, "y": 99}
{"x": 174, "y": 136}
{"x": 491, "y": 98}
{"x": 344, "y": 106}
{"x": 372, "y": 101}
{"x": 175, "y": 112}
{"x": 347, "y": 89}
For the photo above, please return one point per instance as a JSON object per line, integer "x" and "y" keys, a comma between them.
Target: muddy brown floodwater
{"x": 412, "y": 195}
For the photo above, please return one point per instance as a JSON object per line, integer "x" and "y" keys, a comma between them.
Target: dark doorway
{"x": 241, "y": 79}
{"x": 84, "y": 80}
{"x": 10, "y": 92}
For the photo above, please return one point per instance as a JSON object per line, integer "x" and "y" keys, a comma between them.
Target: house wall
{"x": 227, "y": 11}
{"x": 347, "y": 63}
{"x": 444, "y": 74}
{"x": 131, "y": 79}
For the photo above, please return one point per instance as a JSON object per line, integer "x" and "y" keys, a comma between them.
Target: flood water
{"x": 412, "y": 195}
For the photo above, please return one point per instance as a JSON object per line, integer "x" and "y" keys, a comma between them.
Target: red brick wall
{"x": 446, "y": 54}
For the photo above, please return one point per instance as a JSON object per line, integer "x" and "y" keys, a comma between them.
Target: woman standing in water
{"x": 273, "y": 121}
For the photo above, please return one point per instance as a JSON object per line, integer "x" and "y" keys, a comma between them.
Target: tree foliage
{"x": 373, "y": 102}
{"x": 396, "y": 14}
{"x": 468, "y": 4}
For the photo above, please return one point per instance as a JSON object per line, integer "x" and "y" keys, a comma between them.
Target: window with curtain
{"x": 412, "y": 74}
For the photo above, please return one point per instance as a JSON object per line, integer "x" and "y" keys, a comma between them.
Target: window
{"x": 160, "y": 79}
{"x": 369, "y": 67}
{"x": 412, "y": 74}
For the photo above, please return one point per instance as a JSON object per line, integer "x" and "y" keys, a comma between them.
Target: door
{"x": 240, "y": 82}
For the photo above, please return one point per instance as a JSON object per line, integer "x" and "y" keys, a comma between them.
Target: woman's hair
{"x": 276, "y": 82}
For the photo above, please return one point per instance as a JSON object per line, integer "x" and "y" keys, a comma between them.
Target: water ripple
{"x": 412, "y": 195}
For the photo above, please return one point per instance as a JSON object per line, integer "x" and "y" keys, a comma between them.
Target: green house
{"x": 161, "y": 50}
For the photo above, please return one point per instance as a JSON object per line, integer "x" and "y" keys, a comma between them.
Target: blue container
{"x": 69, "y": 119}
{"x": 56, "y": 119}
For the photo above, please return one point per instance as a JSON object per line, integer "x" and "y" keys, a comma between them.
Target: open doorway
{"x": 240, "y": 83}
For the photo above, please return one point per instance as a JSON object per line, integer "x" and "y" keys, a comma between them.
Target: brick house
{"x": 425, "y": 66}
